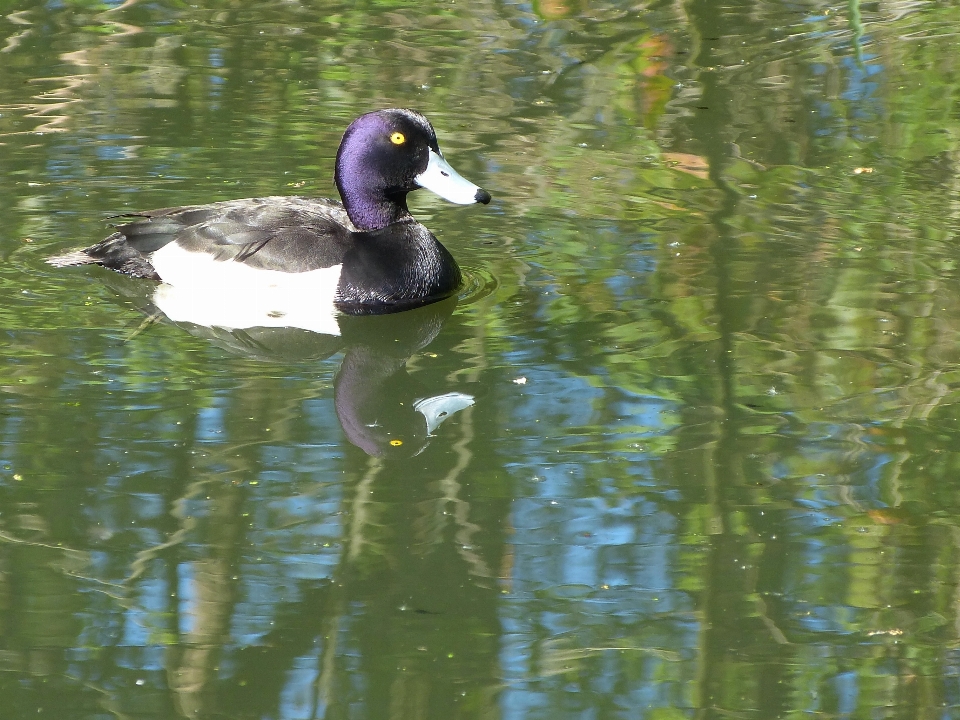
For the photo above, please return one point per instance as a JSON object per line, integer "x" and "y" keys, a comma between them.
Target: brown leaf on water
{"x": 691, "y": 164}
{"x": 884, "y": 517}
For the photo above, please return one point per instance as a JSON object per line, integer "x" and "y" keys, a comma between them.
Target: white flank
{"x": 203, "y": 291}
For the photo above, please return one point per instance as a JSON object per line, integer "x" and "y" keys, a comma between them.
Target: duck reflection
{"x": 274, "y": 576}
{"x": 381, "y": 408}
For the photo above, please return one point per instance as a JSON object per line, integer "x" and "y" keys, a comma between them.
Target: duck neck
{"x": 370, "y": 210}
{"x": 369, "y": 204}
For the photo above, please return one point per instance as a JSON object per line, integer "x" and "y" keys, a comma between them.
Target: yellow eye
{"x": 398, "y": 138}
{"x": 397, "y": 443}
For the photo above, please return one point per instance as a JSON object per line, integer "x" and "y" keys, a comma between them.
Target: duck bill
{"x": 448, "y": 183}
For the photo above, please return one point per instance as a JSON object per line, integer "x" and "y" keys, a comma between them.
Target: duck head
{"x": 388, "y": 153}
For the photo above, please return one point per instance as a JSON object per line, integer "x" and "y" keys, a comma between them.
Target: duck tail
{"x": 114, "y": 253}
{"x": 74, "y": 257}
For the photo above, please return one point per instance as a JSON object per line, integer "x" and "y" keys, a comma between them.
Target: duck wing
{"x": 287, "y": 234}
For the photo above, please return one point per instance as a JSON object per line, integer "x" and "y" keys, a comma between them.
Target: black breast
{"x": 399, "y": 267}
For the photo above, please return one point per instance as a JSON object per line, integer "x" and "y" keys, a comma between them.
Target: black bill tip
{"x": 482, "y": 196}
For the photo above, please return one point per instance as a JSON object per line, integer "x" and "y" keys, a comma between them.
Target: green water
{"x": 705, "y": 461}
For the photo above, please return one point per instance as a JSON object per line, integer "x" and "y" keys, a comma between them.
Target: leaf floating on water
{"x": 695, "y": 165}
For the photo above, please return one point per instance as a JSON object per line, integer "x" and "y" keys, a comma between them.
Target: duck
{"x": 294, "y": 261}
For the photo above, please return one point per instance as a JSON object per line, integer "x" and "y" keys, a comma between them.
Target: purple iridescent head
{"x": 388, "y": 153}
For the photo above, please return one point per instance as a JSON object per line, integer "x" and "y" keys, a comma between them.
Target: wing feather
{"x": 290, "y": 234}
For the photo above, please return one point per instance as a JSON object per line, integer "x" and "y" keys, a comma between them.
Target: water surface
{"x": 704, "y": 462}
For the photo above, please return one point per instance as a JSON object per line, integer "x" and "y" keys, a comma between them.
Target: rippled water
{"x": 683, "y": 447}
